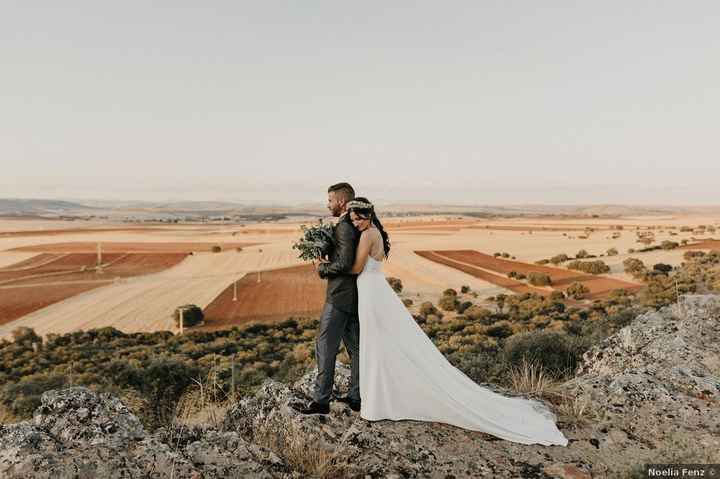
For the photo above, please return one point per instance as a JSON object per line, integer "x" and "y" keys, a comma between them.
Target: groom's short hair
{"x": 343, "y": 189}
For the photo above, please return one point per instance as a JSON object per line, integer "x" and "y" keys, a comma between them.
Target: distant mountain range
{"x": 51, "y": 208}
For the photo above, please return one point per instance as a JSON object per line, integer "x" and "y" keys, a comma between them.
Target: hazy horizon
{"x": 462, "y": 102}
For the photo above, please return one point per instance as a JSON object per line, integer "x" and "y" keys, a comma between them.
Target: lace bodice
{"x": 372, "y": 266}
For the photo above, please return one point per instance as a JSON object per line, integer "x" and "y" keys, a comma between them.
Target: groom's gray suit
{"x": 339, "y": 319}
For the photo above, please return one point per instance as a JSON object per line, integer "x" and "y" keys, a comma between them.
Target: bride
{"x": 404, "y": 376}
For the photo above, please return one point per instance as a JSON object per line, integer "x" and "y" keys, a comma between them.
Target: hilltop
{"x": 648, "y": 393}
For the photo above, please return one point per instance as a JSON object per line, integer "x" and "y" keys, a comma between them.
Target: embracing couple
{"x": 397, "y": 372}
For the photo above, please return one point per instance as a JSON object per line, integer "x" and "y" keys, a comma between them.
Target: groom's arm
{"x": 345, "y": 252}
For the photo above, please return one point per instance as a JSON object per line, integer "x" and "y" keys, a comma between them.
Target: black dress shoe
{"x": 315, "y": 408}
{"x": 354, "y": 404}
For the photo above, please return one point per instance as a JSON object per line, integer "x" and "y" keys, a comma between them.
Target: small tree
{"x": 192, "y": 315}
{"x": 559, "y": 258}
{"x": 577, "y": 290}
{"x": 612, "y": 252}
{"x": 539, "y": 279}
{"x": 217, "y": 249}
{"x": 582, "y": 254}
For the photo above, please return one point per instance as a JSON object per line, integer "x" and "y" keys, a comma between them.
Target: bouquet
{"x": 316, "y": 242}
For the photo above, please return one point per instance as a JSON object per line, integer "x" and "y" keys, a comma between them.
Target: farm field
{"x": 46, "y": 279}
{"x": 45, "y": 289}
{"x": 124, "y": 247}
{"x": 598, "y": 285}
{"x": 302, "y": 293}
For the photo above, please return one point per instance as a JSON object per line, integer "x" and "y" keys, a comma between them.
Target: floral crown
{"x": 361, "y": 205}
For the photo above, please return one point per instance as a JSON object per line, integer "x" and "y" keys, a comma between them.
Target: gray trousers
{"x": 335, "y": 325}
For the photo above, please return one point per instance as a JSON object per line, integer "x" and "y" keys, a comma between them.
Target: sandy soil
{"x": 303, "y": 294}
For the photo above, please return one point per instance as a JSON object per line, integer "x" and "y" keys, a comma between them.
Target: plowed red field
{"x": 280, "y": 294}
{"x": 496, "y": 270}
{"x": 17, "y": 302}
{"x": 498, "y": 280}
{"x": 704, "y": 244}
{"x": 60, "y": 276}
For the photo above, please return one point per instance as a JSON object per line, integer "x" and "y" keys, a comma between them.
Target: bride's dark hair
{"x": 369, "y": 214}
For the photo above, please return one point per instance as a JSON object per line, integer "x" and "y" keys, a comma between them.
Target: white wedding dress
{"x": 404, "y": 376}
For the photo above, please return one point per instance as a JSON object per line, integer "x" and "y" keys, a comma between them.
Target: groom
{"x": 339, "y": 319}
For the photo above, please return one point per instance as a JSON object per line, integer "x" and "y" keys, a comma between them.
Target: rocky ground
{"x": 650, "y": 393}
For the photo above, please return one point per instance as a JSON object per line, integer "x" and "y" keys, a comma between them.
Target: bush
{"x": 465, "y": 289}
{"x": 634, "y": 267}
{"x": 216, "y": 249}
{"x": 542, "y": 261}
{"x": 577, "y": 290}
{"x": 395, "y": 284}
{"x": 477, "y": 313}
{"x": 559, "y": 258}
{"x": 501, "y": 329}
{"x": 669, "y": 244}
{"x": 582, "y": 254}
{"x": 592, "y": 267}
{"x": 612, "y": 252}
{"x": 192, "y": 315}
{"x": 462, "y": 307}
{"x": 427, "y": 308}
{"x": 663, "y": 268}
{"x": 407, "y": 302}
{"x": 539, "y": 279}
{"x": 449, "y": 292}
{"x": 516, "y": 275}
{"x": 555, "y": 352}
{"x": 449, "y": 303}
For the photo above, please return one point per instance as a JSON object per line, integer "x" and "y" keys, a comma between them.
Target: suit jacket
{"x": 342, "y": 284}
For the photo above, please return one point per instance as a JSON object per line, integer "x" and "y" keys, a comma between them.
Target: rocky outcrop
{"x": 76, "y": 433}
{"x": 652, "y": 393}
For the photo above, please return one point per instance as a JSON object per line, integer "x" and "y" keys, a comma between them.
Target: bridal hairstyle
{"x": 369, "y": 214}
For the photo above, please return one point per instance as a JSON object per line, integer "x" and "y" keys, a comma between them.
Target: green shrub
{"x": 539, "y": 279}
{"x": 501, "y": 329}
{"x": 449, "y": 292}
{"x": 192, "y": 315}
{"x": 555, "y": 352}
{"x": 592, "y": 267}
{"x": 559, "y": 258}
{"x": 577, "y": 290}
{"x": 634, "y": 267}
{"x": 216, "y": 249}
{"x": 462, "y": 307}
{"x": 395, "y": 284}
{"x": 612, "y": 252}
{"x": 477, "y": 313}
{"x": 449, "y": 303}
{"x": 582, "y": 254}
{"x": 464, "y": 289}
{"x": 669, "y": 244}
{"x": 427, "y": 308}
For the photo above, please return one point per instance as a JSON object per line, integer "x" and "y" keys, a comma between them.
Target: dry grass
{"x": 530, "y": 378}
{"x": 303, "y": 452}
{"x": 576, "y": 408}
{"x": 204, "y": 404}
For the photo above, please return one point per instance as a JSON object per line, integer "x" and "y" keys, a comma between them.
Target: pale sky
{"x": 464, "y": 102}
